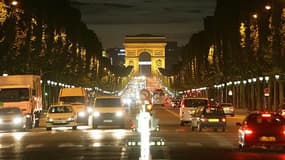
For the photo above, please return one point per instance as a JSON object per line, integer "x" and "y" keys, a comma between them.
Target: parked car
{"x": 62, "y": 115}
{"x": 264, "y": 129}
{"x": 282, "y": 109}
{"x": 209, "y": 117}
{"x": 188, "y": 106}
{"x": 228, "y": 108}
{"x": 12, "y": 118}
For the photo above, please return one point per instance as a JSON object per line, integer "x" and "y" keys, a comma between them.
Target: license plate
{"x": 267, "y": 139}
{"x": 108, "y": 120}
{"x": 59, "y": 122}
{"x": 213, "y": 120}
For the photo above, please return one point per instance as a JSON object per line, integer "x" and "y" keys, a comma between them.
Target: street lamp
{"x": 14, "y": 3}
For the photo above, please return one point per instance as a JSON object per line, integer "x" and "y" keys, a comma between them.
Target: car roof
{"x": 226, "y": 104}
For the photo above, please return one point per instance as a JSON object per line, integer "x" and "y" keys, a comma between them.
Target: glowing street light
{"x": 14, "y": 3}
{"x": 268, "y": 7}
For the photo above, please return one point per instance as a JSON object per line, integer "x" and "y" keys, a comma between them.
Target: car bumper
{"x": 264, "y": 141}
{"x": 213, "y": 125}
{"x": 8, "y": 126}
{"x": 61, "y": 124}
{"x": 108, "y": 119}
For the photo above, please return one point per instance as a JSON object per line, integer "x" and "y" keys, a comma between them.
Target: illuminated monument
{"x": 146, "y": 53}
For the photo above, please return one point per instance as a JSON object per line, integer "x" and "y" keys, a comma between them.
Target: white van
{"x": 108, "y": 111}
{"x": 188, "y": 106}
{"x": 78, "y": 98}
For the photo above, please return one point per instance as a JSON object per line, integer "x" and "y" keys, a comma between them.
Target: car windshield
{"x": 14, "y": 94}
{"x": 72, "y": 99}
{"x": 268, "y": 119}
{"x": 7, "y": 111}
{"x": 60, "y": 109}
{"x": 108, "y": 102}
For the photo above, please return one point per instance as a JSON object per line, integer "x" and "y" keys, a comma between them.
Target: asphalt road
{"x": 112, "y": 143}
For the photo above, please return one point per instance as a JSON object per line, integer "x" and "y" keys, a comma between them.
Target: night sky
{"x": 112, "y": 20}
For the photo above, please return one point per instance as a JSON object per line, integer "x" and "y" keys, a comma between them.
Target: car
{"x": 209, "y": 117}
{"x": 108, "y": 111}
{"x": 188, "y": 106}
{"x": 264, "y": 129}
{"x": 12, "y": 118}
{"x": 62, "y": 115}
{"x": 282, "y": 109}
{"x": 229, "y": 109}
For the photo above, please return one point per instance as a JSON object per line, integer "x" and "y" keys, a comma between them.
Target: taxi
{"x": 61, "y": 116}
{"x": 265, "y": 129}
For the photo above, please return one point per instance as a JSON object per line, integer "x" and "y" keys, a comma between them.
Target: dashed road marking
{"x": 173, "y": 113}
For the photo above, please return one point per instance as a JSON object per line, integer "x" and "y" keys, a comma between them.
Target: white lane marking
{"x": 6, "y": 146}
{"x": 34, "y": 146}
{"x": 69, "y": 145}
{"x": 173, "y": 113}
{"x": 226, "y": 144}
{"x": 194, "y": 144}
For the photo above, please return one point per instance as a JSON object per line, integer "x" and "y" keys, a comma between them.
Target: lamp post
{"x": 275, "y": 92}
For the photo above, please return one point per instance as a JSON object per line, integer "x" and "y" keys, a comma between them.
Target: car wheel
{"x": 74, "y": 127}
{"x": 232, "y": 115}
{"x": 243, "y": 148}
{"x": 48, "y": 128}
{"x": 23, "y": 129}
{"x": 224, "y": 129}
{"x": 94, "y": 126}
{"x": 182, "y": 123}
{"x": 199, "y": 128}
{"x": 215, "y": 129}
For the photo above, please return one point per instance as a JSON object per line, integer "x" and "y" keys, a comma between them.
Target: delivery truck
{"x": 78, "y": 98}
{"x": 24, "y": 92}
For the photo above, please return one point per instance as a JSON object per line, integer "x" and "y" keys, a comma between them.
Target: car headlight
{"x": 70, "y": 119}
{"x": 81, "y": 114}
{"x": 89, "y": 109}
{"x": 17, "y": 120}
{"x": 119, "y": 114}
{"x": 96, "y": 114}
{"x": 49, "y": 119}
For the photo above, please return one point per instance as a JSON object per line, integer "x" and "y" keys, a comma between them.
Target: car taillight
{"x": 203, "y": 119}
{"x": 266, "y": 115}
{"x": 283, "y": 130}
{"x": 223, "y": 120}
{"x": 247, "y": 131}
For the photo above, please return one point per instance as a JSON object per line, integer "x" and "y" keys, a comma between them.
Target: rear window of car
{"x": 213, "y": 111}
{"x": 226, "y": 105}
{"x": 108, "y": 102}
{"x": 195, "y": 102}
{"x": 269, "y": 119}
